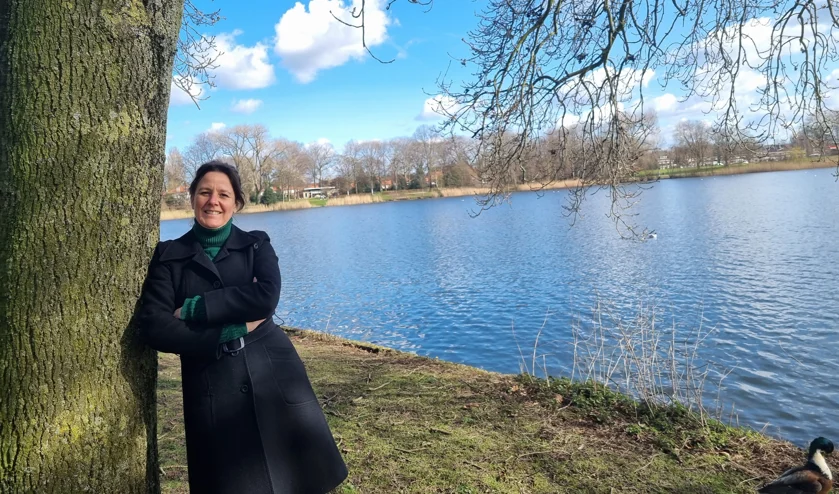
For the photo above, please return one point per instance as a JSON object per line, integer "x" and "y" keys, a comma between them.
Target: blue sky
{"x": 290, "y": 66}
{"x": 313, "y": 93}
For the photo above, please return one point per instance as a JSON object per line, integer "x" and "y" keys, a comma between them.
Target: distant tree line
{"x": 696, "y": 144}
{"x": 277, "y": 169}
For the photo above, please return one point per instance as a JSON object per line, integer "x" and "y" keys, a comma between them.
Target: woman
{"x": 253, "y": 423}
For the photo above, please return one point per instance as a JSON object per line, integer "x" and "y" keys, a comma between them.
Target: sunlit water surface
{"x": 750, "y": 260}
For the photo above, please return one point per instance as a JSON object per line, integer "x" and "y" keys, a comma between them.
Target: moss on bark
{"x": 84, "y": 91}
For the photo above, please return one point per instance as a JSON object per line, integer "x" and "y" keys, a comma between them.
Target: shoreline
{"x": 406, "y": 423}
{"x": 358, "y": 199}
{"x": 418, "y": 194}
{"x": 761, "y": 167}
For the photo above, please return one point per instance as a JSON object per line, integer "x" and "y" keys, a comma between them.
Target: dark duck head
{"x": 819, "y": 448}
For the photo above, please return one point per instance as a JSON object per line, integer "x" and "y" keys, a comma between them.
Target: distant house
{"x": 664, "y": 161}
{"x": 433, "y": 178}
{"x": 180, "y": 191}
{"x": 315, "y": 192}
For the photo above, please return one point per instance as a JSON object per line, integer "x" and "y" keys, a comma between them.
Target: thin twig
{"x": 410, "y": 451}
{"x": 749, "y": 480}
{"x": 649, "y": 463}
{"x": 379, "y": 387}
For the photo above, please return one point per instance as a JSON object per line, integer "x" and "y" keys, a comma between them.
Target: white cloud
{"x": 178, "y": 96}
{"x": 568, "y": 120}
{"x": 646, "y": 76}
{"x": 246, "y": 105}
{"x": 313, "y": 40}
{"x": 665, "y": 102}
{"x": 748, "y": 81}
{"x": 216, "y": 126}
{"x": 628, "y": 80}
{"x": 694, "y": 108}
{"x": 437, "y": 107}
{"x": 754, "y": 43}
{"x": 324, "y": 141}
{"x": 242, "y": 67}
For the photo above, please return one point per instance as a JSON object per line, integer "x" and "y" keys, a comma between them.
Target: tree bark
{"x": 84, "y": 90}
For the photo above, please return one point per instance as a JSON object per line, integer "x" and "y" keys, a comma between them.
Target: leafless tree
{"x": 819, "y": 134}
{"x": 320, "y": 158}
{"x": 373, "y": 164}
{"x": 386, "y": 151}
{"x": 289, "y": 166}
{"x": 400, "y": 161}
{"x": 349, "y": 164}
{"x": 261, "y": 158}
{"x": 457, "y": 155}
{"x": 234, "y": 148}
{"x": 458, "y": 149}
{"x": 174, "y": 172}
{"x": 726, "y": 149}
{"x": 205, "y": 147}
{"x": 251, "y": 149}
{"x": 694, "y": 136}
{"x": 426, "y": 152}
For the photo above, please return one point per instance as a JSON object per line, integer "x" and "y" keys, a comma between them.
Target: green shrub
{"x": 269, "y": 197}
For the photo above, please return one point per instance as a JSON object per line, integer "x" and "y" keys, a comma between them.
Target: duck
{"x": 814, "y": 477}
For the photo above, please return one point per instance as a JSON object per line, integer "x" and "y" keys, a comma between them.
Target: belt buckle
{"x": 234, "y": 352}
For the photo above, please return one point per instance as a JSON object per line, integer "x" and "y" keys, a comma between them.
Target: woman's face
{"x": 214, "y": 200}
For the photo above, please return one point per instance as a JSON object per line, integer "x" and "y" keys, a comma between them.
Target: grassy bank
{"x": 410, "y": 424}
{"x": 355, "y": 199}
{"x": 768, "y": 166}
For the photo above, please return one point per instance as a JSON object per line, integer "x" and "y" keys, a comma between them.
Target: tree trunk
{"x": 84, "y": 90}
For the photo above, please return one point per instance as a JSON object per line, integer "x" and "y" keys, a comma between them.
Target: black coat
{"x": 253, "y": 423}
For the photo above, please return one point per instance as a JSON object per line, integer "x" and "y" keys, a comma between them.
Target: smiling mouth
{"x": 212, "y": 212}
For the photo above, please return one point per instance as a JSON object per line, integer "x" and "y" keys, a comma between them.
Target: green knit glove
{"x": 194, "y": 309}
{"x": 231, "y": 332}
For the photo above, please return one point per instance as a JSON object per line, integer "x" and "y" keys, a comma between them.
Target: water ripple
{"x": 752, "y": 258}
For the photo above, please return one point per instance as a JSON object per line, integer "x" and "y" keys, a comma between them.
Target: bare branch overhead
{"x": 540, "y": 67}
{"x": 197, "y": 53}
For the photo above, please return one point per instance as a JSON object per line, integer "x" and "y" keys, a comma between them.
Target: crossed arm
{"x": 253, "y": 302}
{"x": 194, "y": 309}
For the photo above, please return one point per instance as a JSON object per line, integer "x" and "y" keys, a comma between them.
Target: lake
{"x": 748, "y": 262}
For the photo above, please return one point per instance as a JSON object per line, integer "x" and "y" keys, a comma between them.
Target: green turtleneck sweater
{"x": 194, "y": 309}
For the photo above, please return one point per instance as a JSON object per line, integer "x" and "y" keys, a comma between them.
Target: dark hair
{"x": 227, "y": 169}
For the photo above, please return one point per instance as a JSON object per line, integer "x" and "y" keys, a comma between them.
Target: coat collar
{"x": 188, "y": 246}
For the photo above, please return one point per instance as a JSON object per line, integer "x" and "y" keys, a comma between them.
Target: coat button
{"x": 216, "y": 284}
{"x": 244, "y": 388}
{"x": 255, "y": 246}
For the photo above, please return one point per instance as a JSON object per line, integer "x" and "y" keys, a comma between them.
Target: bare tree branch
{"x": 197, "y": 53}
{"x": 575, "y": 74}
